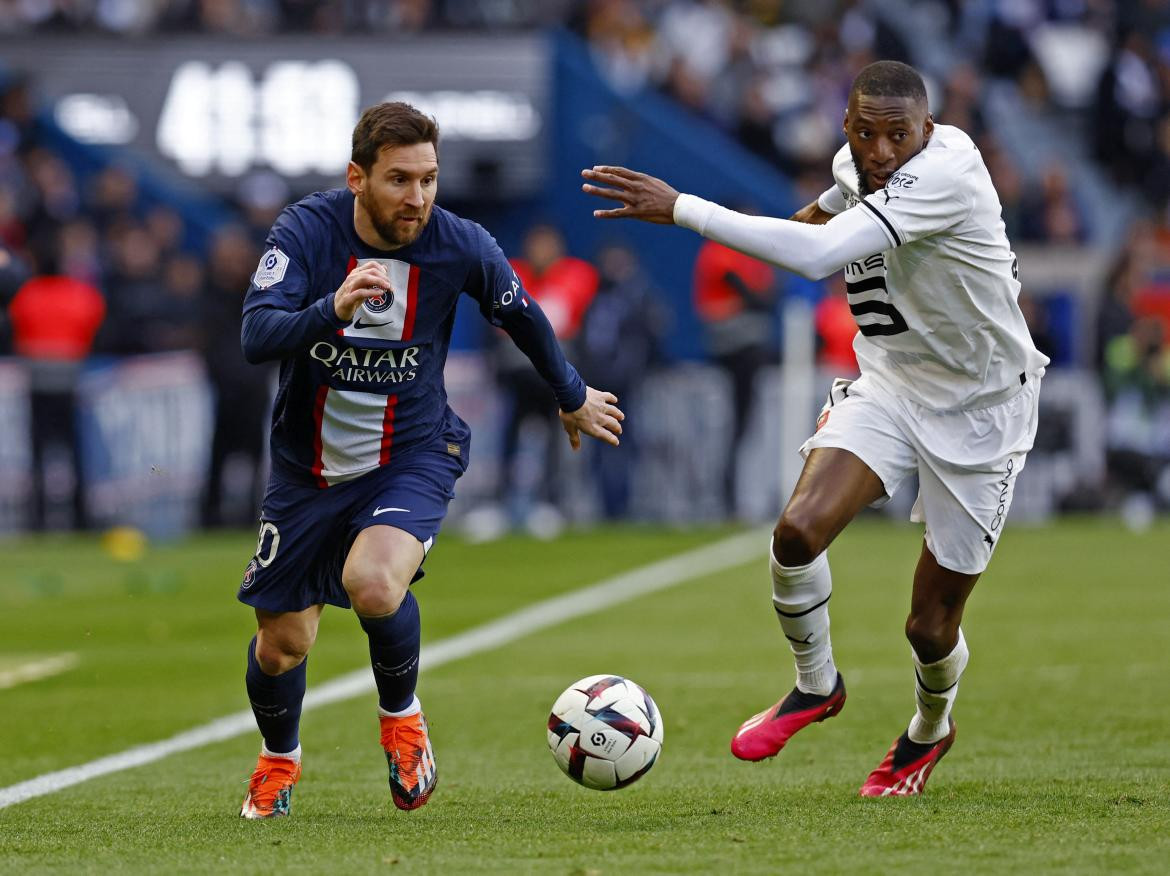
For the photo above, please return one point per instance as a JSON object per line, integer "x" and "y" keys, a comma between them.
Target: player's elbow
{"x": 254, "y": 351}
{"x": 253, "y": 354}
{"x": 813, "y": 268}
{"x": 251, "y": 341}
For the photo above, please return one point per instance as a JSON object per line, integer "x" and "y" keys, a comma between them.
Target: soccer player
{"x": 948, "y": 391}
{"x": 356, "y": 297}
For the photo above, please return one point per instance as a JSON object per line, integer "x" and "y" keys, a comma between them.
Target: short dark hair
{"x": 390, "y": 124}
{"x": 889, "y": 79}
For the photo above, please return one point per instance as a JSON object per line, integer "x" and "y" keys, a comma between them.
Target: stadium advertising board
{"x": 146, "y": 437}
{"x": 217, "y": 111}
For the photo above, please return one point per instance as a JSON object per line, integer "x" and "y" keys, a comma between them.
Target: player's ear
{"x": 355, "y": 177}
{"x": 927, "y": 129}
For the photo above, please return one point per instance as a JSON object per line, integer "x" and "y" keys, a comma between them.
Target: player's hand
{"x": 642, "y": 196}
{"x": 599, "y": 416}
{"x": 368, "y": 280}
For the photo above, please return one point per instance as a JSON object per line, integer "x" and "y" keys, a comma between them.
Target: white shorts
{"x": 967, "y": 462}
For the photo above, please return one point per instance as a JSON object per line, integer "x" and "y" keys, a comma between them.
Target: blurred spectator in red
{"x": 836, "y": 329}
{"x": 54, "y": 321}
{"x": 564, "y": 286}
{"x": 735, "y": 299}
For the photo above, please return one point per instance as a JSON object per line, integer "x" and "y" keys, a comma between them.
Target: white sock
{"x": 413, "y": 709}
{"x": 935, "y": 687}
{"x": 800, "y": 595}
{"x": 295, "y": 754}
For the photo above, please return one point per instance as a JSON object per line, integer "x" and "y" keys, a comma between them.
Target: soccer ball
{"x": 605, "y": 732}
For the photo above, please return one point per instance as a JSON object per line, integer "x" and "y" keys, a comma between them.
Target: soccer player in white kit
{"x": 948, "y": 390}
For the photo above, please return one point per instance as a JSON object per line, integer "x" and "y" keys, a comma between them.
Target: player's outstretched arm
{"x": 599, "y": 417}
{"x": 808, "y": 249}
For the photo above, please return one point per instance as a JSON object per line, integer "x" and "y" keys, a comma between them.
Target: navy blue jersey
{"x": 352, "y": 394}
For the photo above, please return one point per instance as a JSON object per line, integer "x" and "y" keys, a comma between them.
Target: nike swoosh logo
{"x": 358, "y": 324}
{"x": 380, "y": 510}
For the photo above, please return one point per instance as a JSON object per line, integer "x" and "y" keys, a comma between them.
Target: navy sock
{"x": 276, "y": 703}
{"x": 394, "y": 643}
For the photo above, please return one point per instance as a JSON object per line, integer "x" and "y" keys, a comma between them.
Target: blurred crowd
{"x": 774, "y": 75}
{"x": 243, "y": 18}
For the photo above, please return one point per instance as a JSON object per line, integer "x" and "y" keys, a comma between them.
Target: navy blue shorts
{"x": 306, "y": 532}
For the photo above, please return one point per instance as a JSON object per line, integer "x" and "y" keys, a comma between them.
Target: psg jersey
{"x": 354, "y": 394}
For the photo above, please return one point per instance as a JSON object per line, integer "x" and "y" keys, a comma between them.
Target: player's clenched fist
{"x": 368, "y": 280}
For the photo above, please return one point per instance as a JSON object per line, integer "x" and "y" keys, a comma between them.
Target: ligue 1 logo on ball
{"x": 380, "y": 303}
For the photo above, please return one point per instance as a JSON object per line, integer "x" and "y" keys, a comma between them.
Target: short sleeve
{"x": 281, "y": 279}
{"x": 492, "y": 281}
{"x": 922, "y": 199}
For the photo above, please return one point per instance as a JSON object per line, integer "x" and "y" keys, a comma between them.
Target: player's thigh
{"x": 394, "y": 531}
{"x": 833, "y": 486}
{"x": 858, "y": 456}
{"x": 288, "y": 633}
{"x": 385, "y": 556}
{"x": 298, "y": 553}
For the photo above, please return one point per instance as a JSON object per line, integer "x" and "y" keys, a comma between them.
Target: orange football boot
{"x": 270, "y": 788}
{"x": 413, "y": 774}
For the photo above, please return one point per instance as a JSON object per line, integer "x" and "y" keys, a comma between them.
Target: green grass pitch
{"x": 1062, "y": 762}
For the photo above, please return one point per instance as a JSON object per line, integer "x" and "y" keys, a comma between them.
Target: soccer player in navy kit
{"x": 356, "y": 296}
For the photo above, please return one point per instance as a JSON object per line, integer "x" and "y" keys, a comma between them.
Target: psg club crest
{"x": 380, "y": 303}
{"x": 249, "y": 576}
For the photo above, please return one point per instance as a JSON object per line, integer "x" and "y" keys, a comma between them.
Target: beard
{"x": 384, "y": 223}
{"x": 863, "y": 187}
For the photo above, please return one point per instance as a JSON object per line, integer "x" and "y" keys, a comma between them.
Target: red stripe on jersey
{"x": 411, "y": 303}
{"x": 318, "y": 415}
{"x": 387, "y": 429}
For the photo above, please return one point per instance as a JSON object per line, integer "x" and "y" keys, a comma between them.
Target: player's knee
{"x": 279, "y": 654}
{"x": 795, "y": 541}
{"x": 375, "y": 593}
{"x": 932, "y": 638}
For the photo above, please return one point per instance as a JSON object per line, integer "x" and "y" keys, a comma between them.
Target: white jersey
{"x": 938, "y": 317}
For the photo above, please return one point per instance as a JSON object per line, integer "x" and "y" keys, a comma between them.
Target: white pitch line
{"x": 35, "y": 670}
{"x": 707, "y": 560}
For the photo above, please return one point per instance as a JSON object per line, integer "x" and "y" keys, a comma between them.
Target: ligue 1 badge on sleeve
{"x": 271, "y": 269}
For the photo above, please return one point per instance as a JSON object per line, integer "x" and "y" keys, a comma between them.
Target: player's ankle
{"x": 819, "y": 681}
{"x": 928, "y": 732}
